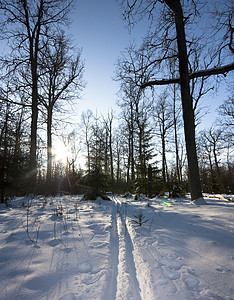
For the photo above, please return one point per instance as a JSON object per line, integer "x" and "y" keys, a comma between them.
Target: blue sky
{"x": 99, "y": 29}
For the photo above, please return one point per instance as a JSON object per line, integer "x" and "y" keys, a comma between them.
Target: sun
{"x": 61, "y": 152}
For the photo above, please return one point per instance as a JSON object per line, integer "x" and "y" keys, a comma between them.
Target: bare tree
{"x": 129, "y": 101}
{"x": 226, "y": 112}
{"x": 118, "y": 156}
{"x": 144, "y": 145}
{"x": 177, "y": 126}
{"x": 24, "y": 23}
{"x": 87, "y": 119}
{"x": 108, "y": 123}
{"x": 164, "y": 120}
{"x": 62, "y": 69}
{"x": 214, "y": 137}
{"x": 213, "y": 151}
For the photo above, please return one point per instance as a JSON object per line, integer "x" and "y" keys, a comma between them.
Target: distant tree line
{"x": 139, "y": 152}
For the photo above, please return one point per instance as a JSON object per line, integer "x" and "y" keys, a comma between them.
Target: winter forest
{"x": 152, "y": 143}
{"x": 133, "y": 204}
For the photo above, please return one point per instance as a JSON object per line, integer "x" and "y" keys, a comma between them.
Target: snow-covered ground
{"x": 64, "y": 248}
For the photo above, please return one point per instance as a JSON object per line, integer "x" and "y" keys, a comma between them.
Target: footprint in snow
{"x": 54, "y": 243}
{"x": 192, "y": 283}
{"x": 91, "y": 279}
{"x": 68, "y": 297}
{"x": 171, "y": 263}
{"x": 42, "y": 283}
{"x": 219, "y": 270}
{"x": 10, "y": 238}
{"x": 84, "y": 267}
{"x": 173, "y": 275}
{"x": 66, "y": 233}
{"x": 68, "y": 250}
{"x": 159, "y": 242}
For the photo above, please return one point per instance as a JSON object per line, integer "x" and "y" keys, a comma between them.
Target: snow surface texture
{"x": 63, "y": 248}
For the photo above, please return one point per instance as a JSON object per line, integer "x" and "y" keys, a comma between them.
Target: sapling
{"x": 140, "y": 219}
{"x": 59, "y": 210}
{"x": 27, "y": 219}
{"x": 62, "y": 213}
{"x": 36, "y": 224}
{"x": 44, "y": 202}
{"x": 55, "y": 232}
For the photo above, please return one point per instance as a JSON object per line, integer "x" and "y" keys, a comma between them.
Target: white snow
{"x": 63, "y": 248}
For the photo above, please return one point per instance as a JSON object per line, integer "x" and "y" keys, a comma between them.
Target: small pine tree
{"x": 99, "y": 183}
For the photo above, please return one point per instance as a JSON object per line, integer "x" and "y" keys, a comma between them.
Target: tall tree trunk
{"x": 211, "y": 167}
{"x": 4, "y": 158}
{"x": 150, "y": 180}
{"x": 187, "y": 103}
{"x": 33, "y": 38}
{"x": 49, "y": 148}
{"x": 163, "y": 160}
{"x": 129, "y": 161}
{"x": 230, "y": 171}
{"x": 88, "y": 151}
{"x": 176, "y": 137}
{"x": 111, "y": 152}
{"x": 33, "y": 142}
{"x": 111, "y": 159}
{"x": 118, "y": 163}
{"x": 18, "y": 137}
{"x": 132, "y": 158}
{"x": 216, "y": 160}
{"x": 106, "y": 158}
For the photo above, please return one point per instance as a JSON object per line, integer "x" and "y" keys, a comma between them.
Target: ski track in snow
{"x": 128, "y": 285}
{"x": 122, "y": 280}
{"x": 97, "y": 250}
{"x": 112, "y": 271}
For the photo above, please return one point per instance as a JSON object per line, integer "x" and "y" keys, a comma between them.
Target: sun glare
{"x": 61, "y": 152}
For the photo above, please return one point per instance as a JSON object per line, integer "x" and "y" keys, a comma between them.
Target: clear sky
{"x": 100, "y": 31}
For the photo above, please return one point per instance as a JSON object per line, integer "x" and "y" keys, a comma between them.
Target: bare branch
{"x": 201, "y": 73}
